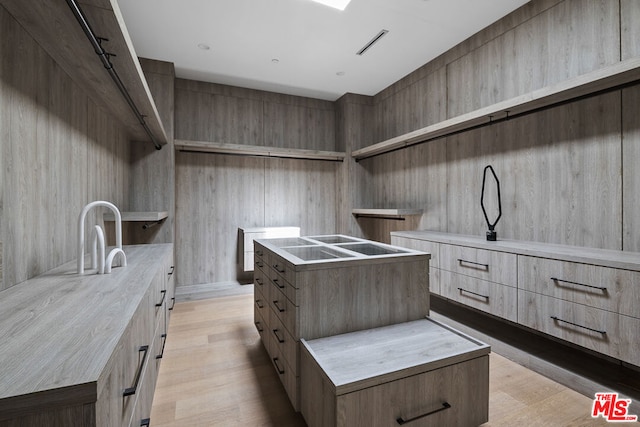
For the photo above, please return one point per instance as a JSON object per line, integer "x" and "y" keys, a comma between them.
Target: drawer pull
{"x": 164, "y": 293}
{"x": 555, "y": 279}
{"x": 171, "y": 270}
{"x": 164, "y": 341}
{"x": 145, "y": 422}
{"x": 259, "y": 253}
{"x": 278, "y": 268}
{"x": 277, "y": 304}
{"x": 173, "y": 302}
{"x": 277, "y": 282}
{"x": 258, "y": 281}
{"x": 445, "y": 405}
{"x": 275, "y": 332}
{"x": 132, "y": 390}
{"x": 259, "y": 303}
{"x": 474, "y": 293}
{"x": 259, "y": 327}
{"x": 557, "y": 319}
{"x": 259, "y": 264}
{"x": 278, "y": 368}
{"x": 476, "y": 265}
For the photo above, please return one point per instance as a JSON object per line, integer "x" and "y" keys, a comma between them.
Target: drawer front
{"x": 498, "y": 267}
{"x": 284, "y": 310}
{"x": 283, "y": 268}
{"x": 261, "y": 285}
{"x": 493, "y": 298}
{"x": 260, "y": 304}
{"x": 261, "y": 258}
{"x": 287, "y": 376}
{"x": 285, "y": 343}
{"x": 455, "y": 395}
{"x": 601, "y": 287}
{"x": 261, "y": 324}
{"x": 432, "y": 248}
{"x": 599, "y": 330}
{"x": 283, "y": 284}
{"x": 434, "y": 281}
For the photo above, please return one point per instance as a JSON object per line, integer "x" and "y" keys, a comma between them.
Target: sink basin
{"x": 316, "y": 253}
{"x": 333, "y": 239}
{"x": 371, "y": 249}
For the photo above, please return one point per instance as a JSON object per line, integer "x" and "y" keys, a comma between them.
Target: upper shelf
{"x": 386, "y": 213}
{"x": 137, "y": 216}
{"x": 593, "y": 83}
{"x": 55, "y": 28}
{"x": 255, "y": 150}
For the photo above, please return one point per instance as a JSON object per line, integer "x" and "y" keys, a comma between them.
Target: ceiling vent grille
{"x": 373, "y": 41}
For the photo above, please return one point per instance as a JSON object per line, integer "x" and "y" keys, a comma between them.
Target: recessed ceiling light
{"x": 336, "y": 4}
{"x": 204, "y": 46}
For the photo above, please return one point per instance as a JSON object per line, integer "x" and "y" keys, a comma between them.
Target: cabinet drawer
{"x": 283, "y": 284}
{"x": 432, "y": 248}
{"x": 261, "y": 323}
{"x": 455, "y": 395}
{"x": 286, "y": 344}
{"x": 284, "y": 310}
{"x": 261, "y": 285}
{"x": 287, "y": 376}
{"x": 260, "y": 303}
{"x": 283, "y": 268}
{"x": 498, "y": 267}
{"x": 605, "y": 332}
{"x": 601, "y": 287}
{"x": 493, "y": 298}
{"x": 434, "y": 280}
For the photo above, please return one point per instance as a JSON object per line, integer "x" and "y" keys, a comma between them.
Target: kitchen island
{"x": 321, "y": 286}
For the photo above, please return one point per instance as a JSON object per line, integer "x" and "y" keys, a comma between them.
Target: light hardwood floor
{"x": 215, "y": 372}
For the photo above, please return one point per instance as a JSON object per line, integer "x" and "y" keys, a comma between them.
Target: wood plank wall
{"x": 59, "y": 151}
{"x": 216, "y": 194}
{"x": 567, "y": 174}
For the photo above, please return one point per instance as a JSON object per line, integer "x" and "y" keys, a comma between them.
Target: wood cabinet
{"x": 585, "y": 296}
{"x": 297, "y": 298}
{"x": 83, "y": 349}
{"x": 247, "y": 235}
{"x": 419, "y": 372}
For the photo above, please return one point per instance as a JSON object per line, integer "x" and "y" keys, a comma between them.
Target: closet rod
{"x": 96, "y": 42}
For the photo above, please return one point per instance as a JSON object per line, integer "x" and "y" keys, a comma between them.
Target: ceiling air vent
{"x": 373, "y": 41}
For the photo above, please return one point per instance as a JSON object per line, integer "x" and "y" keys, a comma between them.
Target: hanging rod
{"x": 96, "y": 42}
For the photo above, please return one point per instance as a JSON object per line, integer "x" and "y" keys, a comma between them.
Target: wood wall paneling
{"x": 630, "y": 30}
{"x": 569, "y": 39}
{"x": 630, "y": 172}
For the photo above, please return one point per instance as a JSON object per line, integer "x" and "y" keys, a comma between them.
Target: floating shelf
{"x": 398, "y": 214}
{"x": 137, "y": 216}
{"x": 55, "y": 28}
{"x": 617, "y": 76}
{"x": 257, "y": 151}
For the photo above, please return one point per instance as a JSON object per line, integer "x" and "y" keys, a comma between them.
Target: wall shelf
{"x": 137, "y": 216}
{"x": 397, "y": 214}
{"x": 257, "y": 151}
{"x": 55, "y": 28}
{"x": 613, "y": 77}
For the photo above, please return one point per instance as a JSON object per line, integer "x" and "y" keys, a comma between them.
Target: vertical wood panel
{"x": 630, "y": 17}
{"x": 567, "y": 40}
{"x": 631, "y": 172}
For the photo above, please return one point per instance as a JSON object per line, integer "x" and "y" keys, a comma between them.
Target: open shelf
{"x": 385, "y": 213}
{"x": 613, "y": 77}
{"x": 137, "y": 216}
{"x": 55, "y": 28}
{"x": 257, "y": 151}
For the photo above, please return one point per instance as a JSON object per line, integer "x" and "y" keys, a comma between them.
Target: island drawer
{"x": 287, "y": 345}
{"x": 283, "y": 284}
{"x": 283, "y": 267}
{"x": 601, "y": 287}
{"x": 283, "y": 309}
{"x": 287, "y": 376}
{"x": 494, "y": 266}
{"x": 493, "y": 298}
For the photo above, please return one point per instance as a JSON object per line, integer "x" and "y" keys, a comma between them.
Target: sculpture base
{"x": 492, "y": 236}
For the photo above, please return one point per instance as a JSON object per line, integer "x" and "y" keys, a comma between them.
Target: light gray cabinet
{"x": 85, "y": 349}
{"x": 585, "y": 296}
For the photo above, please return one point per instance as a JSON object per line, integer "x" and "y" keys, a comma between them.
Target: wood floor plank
{"x": 215, "y": 372}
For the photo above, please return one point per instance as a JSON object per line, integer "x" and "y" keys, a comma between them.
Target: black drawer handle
{"x": 476, "y": 265}
{"x": 259, "y": 303}
{"x": 277, "y": 282}
{"x": 278, "y": 368}
{"x": 173, "y": 302}
{"x": 164, "y": 341}
{"x": 259, "y": 264}
{"x": 132, "y": 390}
{"x": 555, "y": 279}
{"x": 275, "y": 332}
{"x": 277, "y": 304}
{"x": 445, "y": 405}
{"x": 259, "y": 253}
{"x": 258, "y": 281}
{"x": 164, "y": 293}
{"x": 474, "y": 293}
{"x": 145, "y": 422}
{"x": 259, "y": 326}
{"x": 277, "y": 267}
{"x": 557, "y": 319}
{"x": 171, "y": 270}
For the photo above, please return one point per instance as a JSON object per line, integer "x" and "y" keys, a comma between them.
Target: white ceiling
{"x": 300, "y": 47}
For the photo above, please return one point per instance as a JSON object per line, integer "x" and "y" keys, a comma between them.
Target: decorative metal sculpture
{"x": 491, "y": 233}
